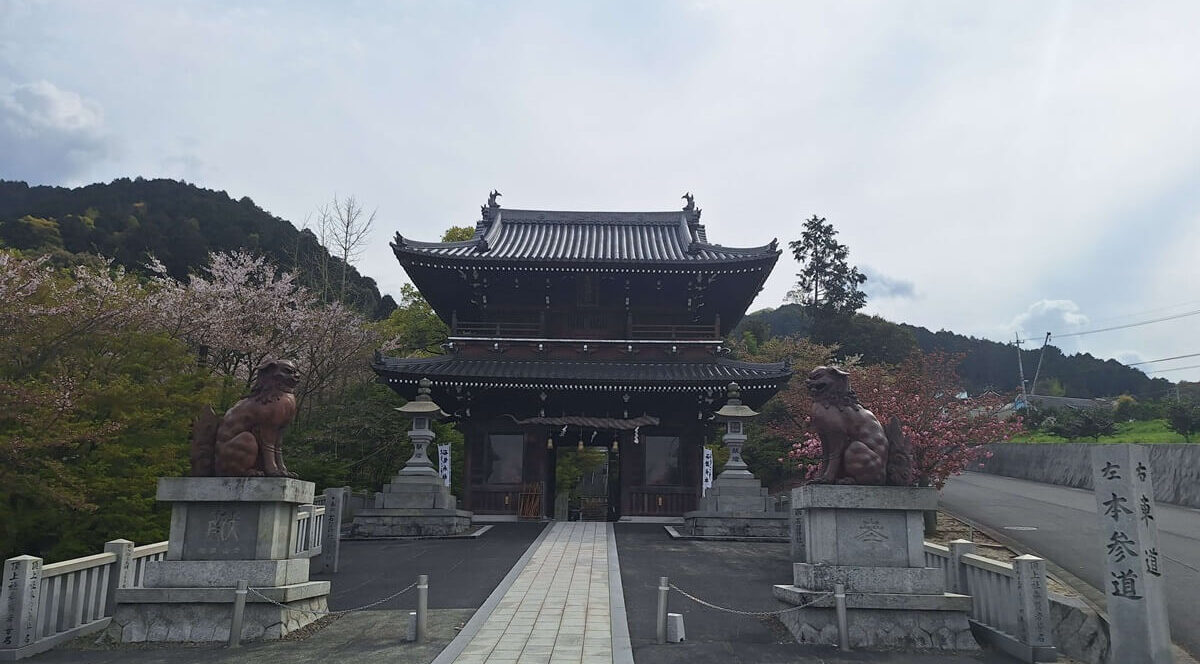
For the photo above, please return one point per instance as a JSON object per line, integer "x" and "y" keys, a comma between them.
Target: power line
{"x": 1177, "y": 357}
{"x": 1143, "y": 312}
{"x": 1128, "y": 325}
{"x": 1193, "y": 366}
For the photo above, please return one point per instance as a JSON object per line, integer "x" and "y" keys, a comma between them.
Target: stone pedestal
{"x": 224, "y": 529}
{"x": 416, "y": 503}
{"x": 737, "y": 505}
{"x": 871, "y": 539}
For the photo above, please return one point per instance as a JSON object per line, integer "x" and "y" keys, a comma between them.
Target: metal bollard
{"x": 422, "y": 607}
{"x": 239, "y": 609}
{"x": 663, "y": 588}
{"x": 839, "y": 602}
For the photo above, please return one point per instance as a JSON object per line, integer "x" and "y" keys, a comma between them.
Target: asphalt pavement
{"x": 735, "y": 575}
{"x": 1059, "y": 524}
{"x": 462, "y": 572}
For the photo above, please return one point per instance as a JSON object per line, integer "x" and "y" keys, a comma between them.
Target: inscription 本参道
{"x": 1125, "y": 584}
{"x": 1115, "y": 506}
{"x": 1120, "y": 546}
{"x": 1125, "y": 510}
{"x": 870, "y": 530}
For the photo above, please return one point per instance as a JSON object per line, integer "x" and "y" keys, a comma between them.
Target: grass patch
{"x": 1147, "y": 431}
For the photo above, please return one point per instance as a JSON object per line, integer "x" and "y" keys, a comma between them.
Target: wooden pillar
{"x": 468, "y": 432}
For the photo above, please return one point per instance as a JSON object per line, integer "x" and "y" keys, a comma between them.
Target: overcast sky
{"x": 994, "y": 167}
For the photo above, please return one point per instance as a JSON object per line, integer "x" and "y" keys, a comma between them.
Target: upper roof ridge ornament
{"x": 488, "y": 212}
{"x": 693, "y": 212}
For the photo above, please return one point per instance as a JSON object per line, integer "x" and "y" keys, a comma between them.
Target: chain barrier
{"x": 756, "y": 614}
{"x": 334, "y": 613}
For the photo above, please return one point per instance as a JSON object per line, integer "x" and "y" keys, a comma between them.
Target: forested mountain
{"x": 179, "y": 223}
{"x": 987, "y": 365}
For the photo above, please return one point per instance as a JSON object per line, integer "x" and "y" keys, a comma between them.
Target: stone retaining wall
{"x": 1176, "y": 467}
{"x": 1079, "y": 632}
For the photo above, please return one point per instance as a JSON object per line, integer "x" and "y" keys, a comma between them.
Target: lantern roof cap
{"x": 734, "y": 410}
{"x": 423, "y": 405}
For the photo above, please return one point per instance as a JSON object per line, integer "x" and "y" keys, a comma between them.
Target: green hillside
{"x": 987, "y": 365}
{"x": 179, "y": 223}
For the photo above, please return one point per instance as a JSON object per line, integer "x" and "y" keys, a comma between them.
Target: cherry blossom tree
{"x": 243, "y": 309}
{"x": 945, "y": 427}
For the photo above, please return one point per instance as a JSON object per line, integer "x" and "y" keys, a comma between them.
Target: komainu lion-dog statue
{"x": 248, "y": 440}
{"x": 855, "y": 449}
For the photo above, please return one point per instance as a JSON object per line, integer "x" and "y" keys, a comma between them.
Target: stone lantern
{"x": 416, "y": 502}
{"x": 735, "y": 415}
{"x": 737, "y": 504}
{"x": 423, "y": 412}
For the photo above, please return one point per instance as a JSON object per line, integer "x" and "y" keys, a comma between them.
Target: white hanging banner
{"x": 708, "y": 471}
{"x": 444, "y": 463}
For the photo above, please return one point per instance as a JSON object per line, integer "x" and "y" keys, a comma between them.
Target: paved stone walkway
{"x": 557, "y": 610}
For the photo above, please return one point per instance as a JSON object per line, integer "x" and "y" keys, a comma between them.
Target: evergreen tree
{"x": 1183, "y": 418}
{"x": 827, "y": 284}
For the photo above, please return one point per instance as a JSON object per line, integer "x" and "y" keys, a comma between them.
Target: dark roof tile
{"x": 624, "y": 237}
{"x": 719, "y": 371}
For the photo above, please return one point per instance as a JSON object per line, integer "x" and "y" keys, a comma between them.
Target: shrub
{"x": 1085, "y": 423}
{"x": 1183, "y": 417}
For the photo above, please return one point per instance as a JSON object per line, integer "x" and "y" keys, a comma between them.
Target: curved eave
{"x": 748, "y": 259}
{"x": 449, "y": 372}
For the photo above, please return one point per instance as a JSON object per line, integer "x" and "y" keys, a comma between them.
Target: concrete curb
{"x": 471, "y": 535}
{"x": 622, "y": 646}
{"x": 675, "y": 534}
{"x": 468, "y": 632}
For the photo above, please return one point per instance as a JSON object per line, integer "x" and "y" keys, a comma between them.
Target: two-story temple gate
{"x": 605, "y": 326}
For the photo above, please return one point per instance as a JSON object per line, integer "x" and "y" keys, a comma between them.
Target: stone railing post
{"x": 1033, "y": 602}
{"x": 303, "y": 536}
{"x": 19, "y": 599}
{"x": 957, "y": 578}
{"x": 335, "y": 501}
{"x": 121, "y": 574}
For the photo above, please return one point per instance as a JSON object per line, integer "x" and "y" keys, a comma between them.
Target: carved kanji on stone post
{"x": 1129, "y": 537}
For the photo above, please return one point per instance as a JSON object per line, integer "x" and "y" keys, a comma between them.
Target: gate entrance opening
{"x": 582, "y": 480}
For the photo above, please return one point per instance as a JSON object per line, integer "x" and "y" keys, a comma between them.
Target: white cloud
{"x": 1129, "y": 357}
{"x": 48, "y": 134}
{"x": 880, "y": 286}
{"x": 1056, "y": 316}
{"x": 996, "y": 154}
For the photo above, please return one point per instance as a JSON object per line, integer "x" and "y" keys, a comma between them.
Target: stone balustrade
{"x": 310, "y": 528}
{"x": 1009, "y": 601}
{"x": 44, "y": 605}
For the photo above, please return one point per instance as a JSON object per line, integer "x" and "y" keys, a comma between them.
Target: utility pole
{"x": 1021, "y": 370}
{"x": 1033, "y": 387}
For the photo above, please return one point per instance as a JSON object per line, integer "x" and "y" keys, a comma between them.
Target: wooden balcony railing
{"x": 587, "y": 325}
{"x": 496, "y": 329}
{"x": 674, "y": 332}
